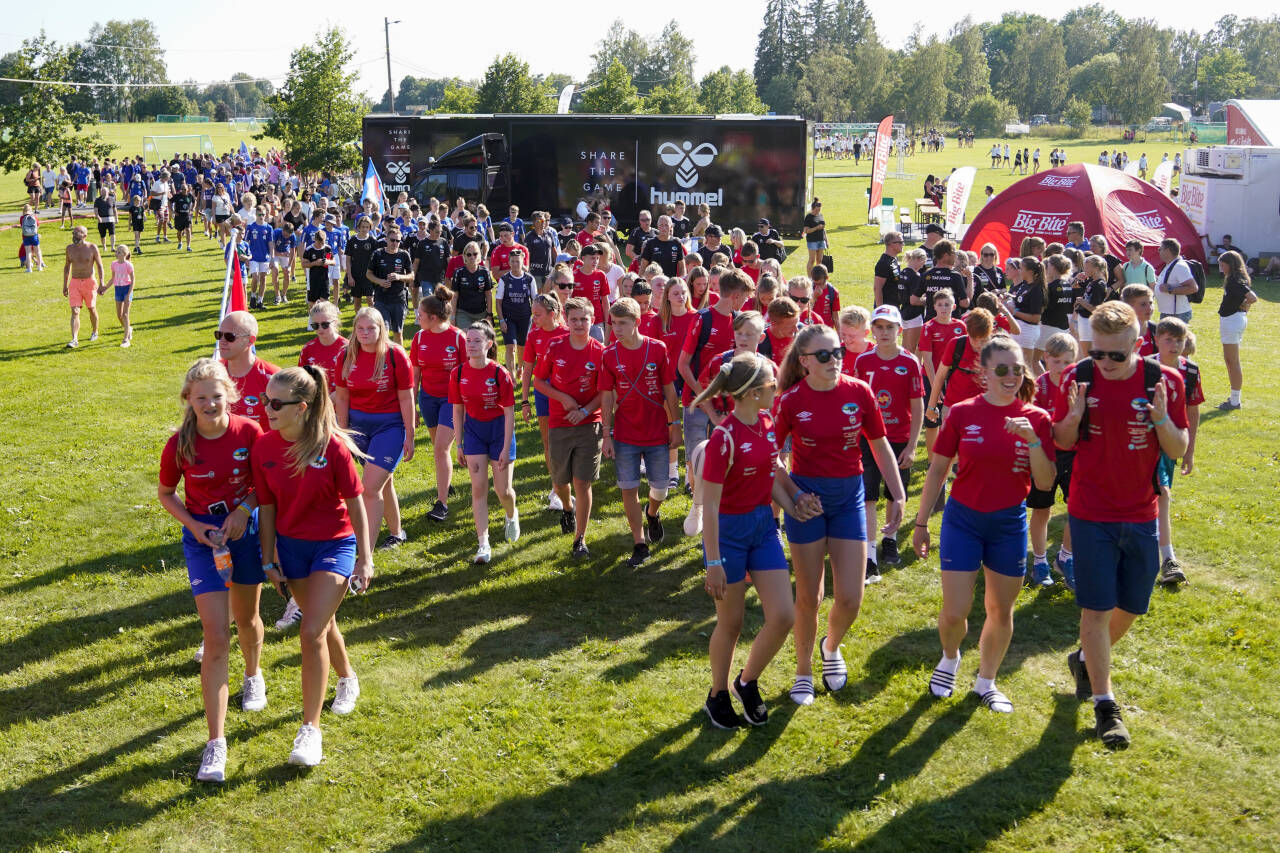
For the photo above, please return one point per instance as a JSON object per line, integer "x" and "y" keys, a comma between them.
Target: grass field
{"x": 536, "y": 704}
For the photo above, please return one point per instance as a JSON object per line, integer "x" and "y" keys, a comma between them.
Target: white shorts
{"x": 1232, "y": 328}
{"x": 1029, "y": 337}
{"x": 1046, "y": 332}
{"x": 280, "y": 262}
{"x": 1084, "y": 329}
{"x": 914, "y": 323}
{"x": 256, "y": 267}
{"x": 335, "y": 272}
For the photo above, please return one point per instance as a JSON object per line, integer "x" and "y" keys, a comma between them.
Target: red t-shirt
{"x": 651, "y": 324}
{"x": 483, "y": 391}
{"x": 317, "y": 354}
{"x": 743, "y": 463}
{"x": 1111, "y": 478}
{"x": 961, "y": 386}
{"x": 674, "y": 337}
{"x": 809, "y": 318}
{"x": 895, "y": 382}
{"x": 253, "y": 391}
{"x": 995, "y": 465}
{"x": 1195, "y": 397}
{"x": 936, "y": 335}
{"x": 638, "y": 377}
{"x": 576, "y": 372}
{"x": 1148, "y": 347}
{"x": 847, "y": 364}
{"x": 753, "y": 273}
{"x": 311, "y": 505}
{"x": 1046, "y": 392}
{"x": 1002, "y": 322}
{"x": 826, "y": 426}
{"x": 500, "y": 259}
{"x": 721, "y": 339}
{"x": 585, "y": 238}
{"x": 377, "y": 397}
{"x": 436, "y": 355}
{"x": 594, "y": 287}
{"x": 826, "y": 303}
{"x": 778, "y": 345}
{"x": 221, "y": 470}
{"x": 538, "y": 340}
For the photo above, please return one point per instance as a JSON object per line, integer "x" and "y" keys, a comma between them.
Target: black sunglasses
{"x": 324, "y": 324}
{"x": 1099, "y": 355}
{"x": 229, "y": 337}
{"x": 803, "y": 300}
{"x": 825, "y": 355}
{"x": 1003, "y": 369}
{"x": 471, "y": 254}
{"x": 277, "y": 405}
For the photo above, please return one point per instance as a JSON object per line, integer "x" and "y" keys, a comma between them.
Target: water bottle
{"x": 221, "y": 556}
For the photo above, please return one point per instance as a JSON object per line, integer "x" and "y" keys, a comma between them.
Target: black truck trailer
{"x": 743, "y": 167}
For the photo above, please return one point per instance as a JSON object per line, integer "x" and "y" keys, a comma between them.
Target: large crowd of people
{"x": 795, "y": 416}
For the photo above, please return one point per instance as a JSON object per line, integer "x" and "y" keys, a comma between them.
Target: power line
{"x": 158, "y": 49}
{"x": 188, "y": 84}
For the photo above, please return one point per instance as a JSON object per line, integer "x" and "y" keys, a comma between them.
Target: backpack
{"x": 1151, "y": 376}
{"x": 29, "y": 226}
{"x": 1192, "y": 378}
{"x": 1197, "y": 272}
{"x": 706, "y": 324}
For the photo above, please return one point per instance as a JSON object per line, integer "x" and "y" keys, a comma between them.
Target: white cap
{"x": 887, "y": 312}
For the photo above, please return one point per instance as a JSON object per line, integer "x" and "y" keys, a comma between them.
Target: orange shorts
{"x": 83, "y": 291}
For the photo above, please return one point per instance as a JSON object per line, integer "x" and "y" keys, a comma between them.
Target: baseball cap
{"x": 934, "y": 228}
{"x": 762, "y": 221}
{"x": 887, "y": 312}
{"x": 330, "y": 218}
{"x": 714, "y": 231}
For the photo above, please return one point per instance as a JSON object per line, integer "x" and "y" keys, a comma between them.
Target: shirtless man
{"x": 79, "y": 283}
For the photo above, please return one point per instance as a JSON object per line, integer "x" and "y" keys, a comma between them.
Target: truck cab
{"x": 477, "y": 169}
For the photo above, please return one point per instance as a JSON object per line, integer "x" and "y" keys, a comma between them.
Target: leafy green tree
{"x": 317, "y": 114}
{"x": 1138, "y": 89}
{"x": 715, "y": 92}
{"x": 678, "y": 96}
{"x": 507, "y": 87}
{"x": 743, "y": 97}
{"x": 37, "y": 125}
{"x": 162, "y": 101}
{"x": 969, "y": 75}
{"x": 97, "y": 60}
{"x": 780, "y": 93}
{"x": 922, "y": 91}
{"x": 852, "y": 26}
{"x": 623, "y": 45}
{"x": 1089, "y": 31}
{"x": 670, "y": 56}
{"x": 1093, "y": 80}
{"x": 458, "y": 99}
{"x": 778, "y": 52}
{"x": 825, "y": 90}
{"x": 988, "y": 115}
{"x": 615, "y": 93}
{"x": 1224, "y": 75}
{"x": 1077, "y": 114}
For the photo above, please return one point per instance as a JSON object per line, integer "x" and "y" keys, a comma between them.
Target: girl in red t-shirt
{"x": 305, "y": 475}
{"x": 1002, "y": 444}
{"x": 483, "y": 399}
{"x": 436, "y": 350}
{"x": 545, "y": 327}
{"x": 740, "y": 478}
{"x": 210, "y": 452}
{"x": 326, "y": 349}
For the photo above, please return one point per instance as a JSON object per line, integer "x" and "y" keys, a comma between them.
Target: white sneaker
{"x": 93, "y": 337}
{"x": 199, "y": 655}
{"x": 292, "y": 616}
{"x": 73, "y": 344}
{"x": 512, "y": 528}
{"x": 307, "y": 748}
{"x": 344, "y": 697}
{"x": 213, "y": 763}
{"x": 483, "y": 554}
{"x": 693, "y": 521}
{"x": 253, "y": 696}
{"x": 125, "y": 344}
{"x": 554, "y": 502}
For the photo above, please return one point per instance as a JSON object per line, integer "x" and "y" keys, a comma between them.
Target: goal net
{"x": 156, "y": 147}
{"x": 245, "y": 123}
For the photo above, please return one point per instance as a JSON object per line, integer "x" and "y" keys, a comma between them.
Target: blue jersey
{"x": 259, "y": 238}
{"x": 82, "y": 174}
{"x": 284, "y": 244}
{"x": 518, "y": 224}
{"x": 309, "y": 234}
{"x": 517, "y": 294}
{"x": 335, "y": 239}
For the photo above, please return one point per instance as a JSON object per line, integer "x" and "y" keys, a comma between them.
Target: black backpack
{"x": 1197, "y": 271}
{"x": 1151, "y": 376}
{"x": 706, "y": 324}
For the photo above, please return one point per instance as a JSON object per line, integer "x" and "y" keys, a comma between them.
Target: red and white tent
{"x": 1117, "y": 206}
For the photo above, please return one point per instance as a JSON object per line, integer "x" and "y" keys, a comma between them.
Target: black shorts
{"x": 360, "y": 285}
{"x": 221, "y": 217}
{"x": 318, "y": 289}
{"x": 182, "y": 221}
{"x": 1044, "y": 499}
{"x": 66, "y": 207}
{"x": 154, "y": 204}
{"x": 871, "y": 479}
{"x": 105, "y": 228}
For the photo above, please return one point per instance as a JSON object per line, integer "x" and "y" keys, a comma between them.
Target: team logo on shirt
{"x": 590, "y": 365}
{"x": 240, "y": 454}
{"x": 901, "y": 370}
{"x": 491, "y": 381}
{"x": 320, "y": 462}
{"x": 804, "y": 417}
{"x": 251, "y": 401}
{"x": 773, "y": 438}
{"x": 1139, "y": 404}
{"x": 884, "y": 399}
{"x": 451, "y": 349}
{"x": 746, "y": 447}
{"x": 973, "y": 432}
{"x": 850, "y": 409}
{"x": 651, "y": 366}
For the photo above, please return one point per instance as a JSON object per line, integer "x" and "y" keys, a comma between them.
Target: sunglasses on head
{"x": 1099, "y": 355}
{"x": 825, "y": 355}
{"x": 229, "y": 337}
{"x": 1003, "y": 370}
{"x": 277, "y": 405}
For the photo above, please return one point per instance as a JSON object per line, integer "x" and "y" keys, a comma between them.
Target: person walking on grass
{"x": 1233, "y": 318}
{"x": 236, "y": 336}
{"x": 1002, "y": 444}
{"x": 80, "y": 276}
{"x": 545, "y": 327}
{"x": 1119, "y": 416}
{"x": 29, "y": 223}
{"x": 210, "y": 455}
{"x": 740, "y": 479}
{"x": 436, "y": 351}
{"x": 1060, "y": 352}
{"x": 1175, "y": 343}
{"x": 311, "y": 515}
{"x": 122, "y": 279}
{"x": 482, "y": 396}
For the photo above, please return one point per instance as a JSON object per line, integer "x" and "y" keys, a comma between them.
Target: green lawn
{"x": 539, "y": 704}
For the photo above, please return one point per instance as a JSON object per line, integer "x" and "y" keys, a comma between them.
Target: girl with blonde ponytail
{"x": 312, "y": 516}
{"x": 211, "y": 453}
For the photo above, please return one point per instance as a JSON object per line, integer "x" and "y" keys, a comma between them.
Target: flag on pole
{"x": 233, "y": 295}
{"x": 959, "y": 186}
{"x": 880, "y": 166}
{"x": 373, "y": 189}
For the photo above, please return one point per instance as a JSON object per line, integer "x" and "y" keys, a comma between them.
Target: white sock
{"x": 1235, "y": 397}
{"x": 982, "y": 685}
{"x": 1166, "y": 552}
{"x": 1082, "y": 654}
{"x": 484, "y": 541}
{"x": 1064, "y": 553}
{"x": 1041, "y": 558}
{"x": 221, "y": 740}
{"x": 1103, "y": 697}
{"x": 951, "y": 665}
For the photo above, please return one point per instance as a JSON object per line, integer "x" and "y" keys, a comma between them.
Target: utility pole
{"x": 391, "y": 93}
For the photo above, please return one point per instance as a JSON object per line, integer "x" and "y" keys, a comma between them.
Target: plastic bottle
{"x": 221, "y": 556}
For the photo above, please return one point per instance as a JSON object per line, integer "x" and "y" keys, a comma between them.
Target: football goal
{"x": 156, "y": 147}
{"x": 246, "y": 123}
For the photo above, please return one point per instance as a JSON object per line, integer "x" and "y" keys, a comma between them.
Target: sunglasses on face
{"x": 471, "y": 254}
{"x": 825, "y": 355}
{"x": 323, "y": 324}
{"x": 1003, "y": 370}
{"x": 1099, "y": 355}
{"x": 277, "y": 405}
{"x": 229, "y": 337}
{"x": 803, "y": 300}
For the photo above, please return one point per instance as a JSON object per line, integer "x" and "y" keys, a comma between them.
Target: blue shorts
{"x": 749, "y": 542}
{"x": 1164, "y": 470}
{"x": 517, "y": 328}
{"x": 379, "y": 436}
{"x": 843, "y": 516}
{"x": 486, "y": 438}
{"x": 435, "y": 411}
{"x": 815, "y": 245}
{"x": 1116, "y": 563}
{"x": 392, "y": 312}
{"x": 32, "y": 240}
{"x": 124, "y": 294}
{"x": 657, "y": 464}
{"x": 541, "y": 405}
{"x": 972, "y": 539}
{"x": 246, "y": 557}
{"x": 300, "y": 557}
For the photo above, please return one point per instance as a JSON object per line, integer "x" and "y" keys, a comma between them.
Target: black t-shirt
{"x": 638, "y": 238}
{"x": 297, "y": 220}
{"x": 680, "y": 227}
{"x": 183, "y": 202}
{"x": 1058, "y": 309}
{"x": 471, "y": 288}
{"x": 936, "y": 279}
{"x": 105, "y": 209}
{"x": 665, "y": 253}
{"x": 138, "y": 216}
{"x": 542, "y": 252}
{"x": 461, "y": 240}
{"x": 1234, "y": 291}
{"x": 891, "y": 293}
{"x": 317, "y": 275}
{"x": 908, "y": 285}
{"x": 812, "y": 219}
{"x": 1093, "y": 291}
{"x": 360, "y": 251}
{"x": 767, "y": 250}
{"x": 433, "y": 259}
{"x": 517, "y": 295}
{"x": 382, "y": 264}
{"x": 987, "y": 279}
{"x": 1028, "y": 298}
{"x": 707, "y": 254}
{"x": 1112, "y": 263}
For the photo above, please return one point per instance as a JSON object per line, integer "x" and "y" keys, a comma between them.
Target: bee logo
{"x": 687, "y": 160}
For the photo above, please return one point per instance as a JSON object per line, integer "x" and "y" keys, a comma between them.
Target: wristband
{"x": 918, "y": 524}
{"x": 674, "y": 423}
{"x": 1155, "y": 424}
{"x": 246, "y": 509}
{"x": 710, "y": 563}
{"x": 1036, "y": 444}
{"x": 266, "y": 567}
